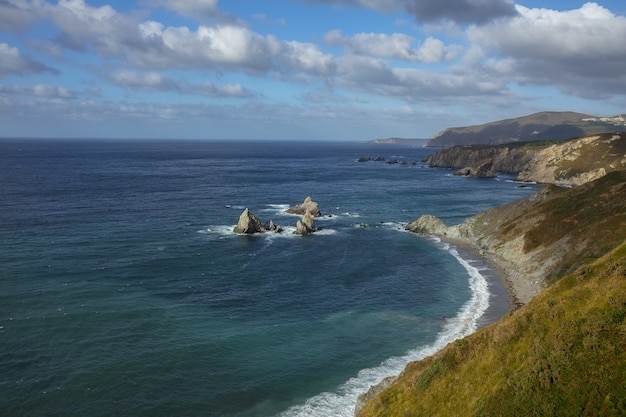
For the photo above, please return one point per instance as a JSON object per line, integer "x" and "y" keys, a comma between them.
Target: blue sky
{"x": 302, "y": 69}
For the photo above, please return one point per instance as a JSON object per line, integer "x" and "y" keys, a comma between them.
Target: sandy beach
{"x": 520, "y": 291}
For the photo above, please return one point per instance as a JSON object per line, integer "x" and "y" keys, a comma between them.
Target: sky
{"x": 302, "y": 69}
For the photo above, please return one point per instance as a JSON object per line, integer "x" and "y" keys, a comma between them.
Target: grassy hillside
{"x": 538, "y": 126}
{"x": 564, "y": 353}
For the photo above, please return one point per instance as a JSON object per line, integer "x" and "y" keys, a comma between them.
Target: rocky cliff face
{"x": 570, "y": 163}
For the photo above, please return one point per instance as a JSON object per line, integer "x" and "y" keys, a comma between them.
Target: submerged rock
{"x": 249, "y": 224}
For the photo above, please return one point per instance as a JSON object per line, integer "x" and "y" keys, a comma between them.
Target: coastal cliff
{"x": 572, "y": 162}
{"x": 562, "y": 351}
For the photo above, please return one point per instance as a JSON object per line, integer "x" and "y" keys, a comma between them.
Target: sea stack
{"x": 248, "y": 223}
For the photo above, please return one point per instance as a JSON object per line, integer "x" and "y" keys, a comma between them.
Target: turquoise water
{"x": 124, "y": 291}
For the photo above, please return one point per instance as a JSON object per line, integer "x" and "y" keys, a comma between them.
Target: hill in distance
{"x": 401, "y": 141}
{"x": 537, "y": 126}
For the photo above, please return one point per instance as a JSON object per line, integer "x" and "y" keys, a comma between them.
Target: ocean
{"x": 125, "y": 292}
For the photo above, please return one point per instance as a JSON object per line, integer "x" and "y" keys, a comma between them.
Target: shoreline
{"x": 518, "y": 293}
{"x": 501, "y": 299}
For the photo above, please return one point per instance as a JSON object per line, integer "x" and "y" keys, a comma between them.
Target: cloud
{"x": 580, "y": 51}
{"x": 13, "y": 63}
{"x": 460, "y": 11}
{"x": 429, "y": 11}
{"x": 40, "y": 90}
{"x": 189, "y": 8}
{"x": 15, "y": 15}
{"x": 397, "y": 45}
{"x": 152, "y": 45}
{"x": 374, "y": 76}
{"x": 153, "y": 81}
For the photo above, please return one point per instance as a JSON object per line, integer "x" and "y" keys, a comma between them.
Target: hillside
{"x": 401, "y": 141}
{"x": 571, "y": 162}
{"x": 538, "y": 126}
{"x": 563, "y": 353}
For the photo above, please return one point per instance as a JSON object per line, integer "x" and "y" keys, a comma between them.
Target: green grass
{"x": 564, "y": 353}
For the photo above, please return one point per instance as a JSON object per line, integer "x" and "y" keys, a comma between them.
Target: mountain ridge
{"x": 536, "y": 126}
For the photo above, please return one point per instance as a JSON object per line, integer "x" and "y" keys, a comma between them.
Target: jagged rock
{"x": 393, "y": 161}
{"x": 481, "y": 169}
{"x": 428, "y": 224}
{"x": 365, "y": 159}
{"x": 248, "y": 223}
{"x": 306, "y": 225}
{"x": 270, "y": 226}
{"x": 307, "y": 205}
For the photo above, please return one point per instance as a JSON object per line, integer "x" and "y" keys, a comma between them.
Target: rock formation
{"x": 571, "y": 163}
{"x": 306, "y": 225}
{"x": 481, "y": 169}
{"x": 427, "y": 224}
{"x": 270, "y": 226}
{"x": 248, "y": 223}
{"x": 308, "y": 205}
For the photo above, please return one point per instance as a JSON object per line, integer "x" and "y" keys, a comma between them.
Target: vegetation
{"x": 537, "y": 126}
{"x": 564, "y": 353}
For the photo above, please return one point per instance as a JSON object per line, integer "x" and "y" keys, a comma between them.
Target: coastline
{"x": 519, "y": 292}
{"x": 503, "y": 299}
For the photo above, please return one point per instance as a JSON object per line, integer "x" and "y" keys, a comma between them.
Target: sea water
{"x": 124, "y": 291}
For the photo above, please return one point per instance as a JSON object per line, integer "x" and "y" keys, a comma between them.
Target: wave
{"x": 288, "y": 232}
{"x": 341, "y": 403}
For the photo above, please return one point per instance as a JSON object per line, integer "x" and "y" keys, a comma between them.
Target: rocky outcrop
{"x": 248, "y": 223}
{"x": 578, "y": 161}
{"x": 428, "y": 224}
{"x": 270, "y": 226}
{"x": 507, "y": 159}
{"x": 306, "y": 225}
{"x": 481, "y": 169}
{"x": 308, "y": 205}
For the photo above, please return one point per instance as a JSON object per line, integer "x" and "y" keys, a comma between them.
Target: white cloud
{"x": 153, "y": 81}
{"x": 581, "y": 51}
{"x": 15, "y": 15}
{"x": 14, "y": 63}
{"x": 39, "y": 90}
{"x": 412, "y": 85}
{"x": 188, "y": 7}
{"x": 396, "y": 45}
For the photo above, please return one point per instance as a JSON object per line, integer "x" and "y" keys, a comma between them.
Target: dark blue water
{"x": 123, "y": 290}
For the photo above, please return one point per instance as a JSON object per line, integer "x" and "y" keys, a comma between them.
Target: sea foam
{"x": 342, "y": 401}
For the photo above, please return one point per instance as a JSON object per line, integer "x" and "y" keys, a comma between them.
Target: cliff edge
{"x": 570, "y": 163}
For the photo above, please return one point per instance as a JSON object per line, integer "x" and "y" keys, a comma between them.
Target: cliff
{"x": 571, "y": 162}
{"x": 537, "y": 126}
{"x": 563, "y": 352}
